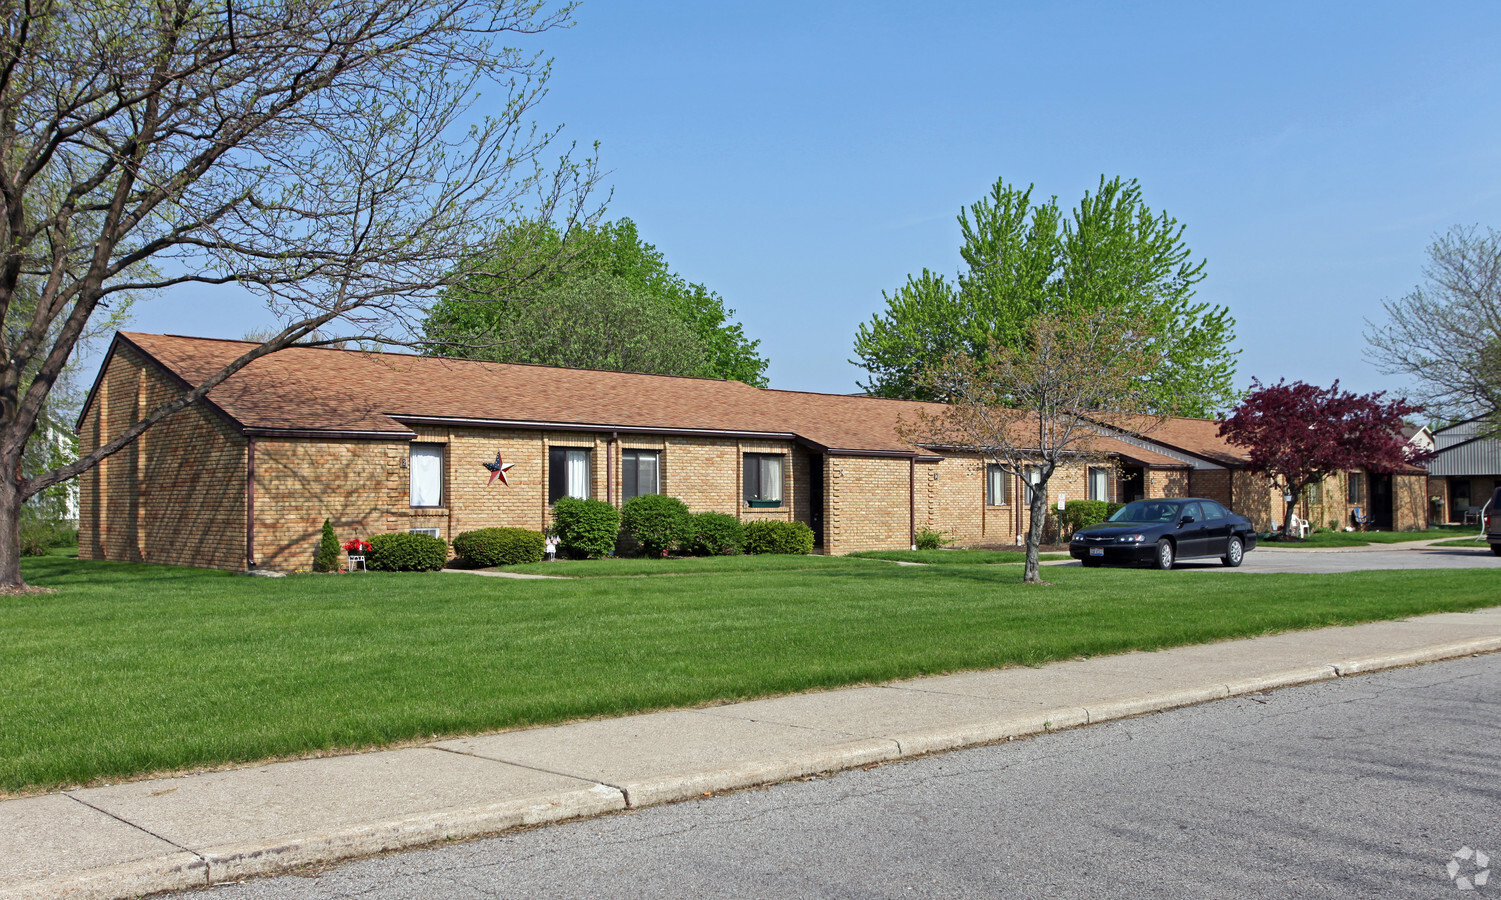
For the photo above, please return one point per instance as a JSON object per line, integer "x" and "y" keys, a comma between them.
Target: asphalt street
{"x": 1359, "y": 787}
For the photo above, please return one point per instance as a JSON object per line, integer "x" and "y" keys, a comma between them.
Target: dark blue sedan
{"x": 1161, "y": 532}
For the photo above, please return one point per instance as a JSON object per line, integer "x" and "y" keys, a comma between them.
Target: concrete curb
{"x": 831, "y": 747}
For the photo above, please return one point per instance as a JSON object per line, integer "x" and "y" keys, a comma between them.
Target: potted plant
{"x": 356, "y": 549}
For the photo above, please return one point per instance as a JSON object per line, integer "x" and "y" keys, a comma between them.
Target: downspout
{"x": 250, "y": 502}
{"x": 610, "y": 467}
{"x": 912, "y": 502}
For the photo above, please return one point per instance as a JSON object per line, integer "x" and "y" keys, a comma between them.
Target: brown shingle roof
{"x": 315, "y": 389}
{"x": 1196, "y": 437}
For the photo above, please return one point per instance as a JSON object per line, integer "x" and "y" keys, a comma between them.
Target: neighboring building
{"x": 394, "y": 442}
{"x": 1221, "y": 471}
{"x": 1464, "y": 471}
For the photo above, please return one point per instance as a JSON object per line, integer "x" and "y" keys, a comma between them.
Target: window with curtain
{"x": 995, "y": 485}
{"x": 425, "y": 466}
{"x": 1099, "y": 483}
{"x": 1314, "y": 493}
{"x": 640, "y": 472}
{"x": 1357, "y": 486}
{"x": 1034, "y": 477}
{"x": 763, "y": 479}
{"x": 567, "y": 473}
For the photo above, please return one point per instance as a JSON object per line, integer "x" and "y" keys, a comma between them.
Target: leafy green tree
{"x": 607, "y": 274}
{"x": 1024, "y": 259}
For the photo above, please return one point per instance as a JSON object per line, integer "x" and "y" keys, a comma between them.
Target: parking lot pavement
{"x": 1264, "y": 560}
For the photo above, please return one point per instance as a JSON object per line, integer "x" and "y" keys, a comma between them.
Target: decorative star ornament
{"x": 497, "y": 470}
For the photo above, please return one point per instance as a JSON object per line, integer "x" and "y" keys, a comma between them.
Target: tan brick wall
{"x": 867, "y": 504}
{"x": 1213, "y": 484}
{"x": 175, "y": 495}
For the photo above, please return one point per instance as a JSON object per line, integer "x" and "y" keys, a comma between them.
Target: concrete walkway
{"x": 174, "y": 833}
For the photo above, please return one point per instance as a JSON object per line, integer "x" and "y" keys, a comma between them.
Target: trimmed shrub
{"x": 1083, "y": 513}
{"x": 928, "y": 539}
{"x": 657, "y": 523}
{"x": 1111, "y": 508}
{"x": 327, "y": 558}
{"x": 716, "y": 534}
{"x": 499, "y": 546}
{"x": 778, "y": 537}
{"x": 402, "y": 552}
{"x": 586, "y": 529}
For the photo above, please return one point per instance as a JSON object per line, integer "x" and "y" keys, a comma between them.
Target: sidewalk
{"x": 174, "y": 833}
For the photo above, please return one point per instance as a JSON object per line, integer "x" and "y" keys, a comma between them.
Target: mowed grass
{"x": 617, "y": 568}
{"x": 129, "y": 669}
{"x": 1326, "y": 539}
{"x": 955, "y": 557}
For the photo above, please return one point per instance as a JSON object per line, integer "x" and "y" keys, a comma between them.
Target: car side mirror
{"x": 1186, "y": 520}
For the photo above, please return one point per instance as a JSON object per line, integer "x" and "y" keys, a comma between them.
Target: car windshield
{"x": 1146, "y": 511}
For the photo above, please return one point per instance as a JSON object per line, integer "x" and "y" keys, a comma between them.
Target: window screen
{"x": 567, "y": 473}
{"x": 426, "y": 468}
{"x": 763, "y": 478}
{"x": 640, "y": 472}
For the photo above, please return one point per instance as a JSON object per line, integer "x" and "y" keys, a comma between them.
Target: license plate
{"x": 1096, "y": 551}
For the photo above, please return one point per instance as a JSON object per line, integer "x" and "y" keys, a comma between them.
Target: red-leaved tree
{"x": 1298, "y": 434}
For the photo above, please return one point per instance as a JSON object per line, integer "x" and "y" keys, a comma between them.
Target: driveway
{"x": 1266, "y": 559}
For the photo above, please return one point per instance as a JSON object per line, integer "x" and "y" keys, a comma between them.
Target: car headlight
{"x": 1133, "y": 539}
{"x": 1077, "y": 537}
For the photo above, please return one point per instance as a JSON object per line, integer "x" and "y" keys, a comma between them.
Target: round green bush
{"x": 1084, "y": 513}
{"x": 402, "y": 552}
{"x": 778, "y": 537}
{"x": 716, "y": 534}
{"x": 586, "y": 529}
{"x": 657, "y": 523}
{"x": 928, "y": 539}
{"x": 499, "y": 546}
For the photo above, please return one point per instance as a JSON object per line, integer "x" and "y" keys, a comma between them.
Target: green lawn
{"x": 1327, "y": 539}
{"x": 608, "y": 568}
{"x": 1471, "y": 541}
{"x": 955, "y": 557}
{"x": 130, "y": 669}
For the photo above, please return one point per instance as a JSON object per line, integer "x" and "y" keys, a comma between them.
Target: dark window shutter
{"x": 752, "y": 477}
{"x": 557, "y": 473}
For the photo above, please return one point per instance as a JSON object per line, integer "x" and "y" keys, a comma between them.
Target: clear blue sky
{"x": 800, "y": 158}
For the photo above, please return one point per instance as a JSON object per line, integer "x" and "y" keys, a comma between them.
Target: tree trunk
{"x": 10, "y": 535}
{"x": 1287, "y": 514}
{"x": 1038, "y": 505}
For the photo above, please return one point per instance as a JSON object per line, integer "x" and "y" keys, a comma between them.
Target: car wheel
{"x": 1235, "y": 554}
{"x": 1164, "y": 554}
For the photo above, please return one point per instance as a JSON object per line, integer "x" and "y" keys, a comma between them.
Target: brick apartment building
{"x": 395, "y": 442}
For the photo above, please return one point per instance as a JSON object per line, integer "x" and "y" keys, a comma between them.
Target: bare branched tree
{"x": 1445, "y": 334}
{"x": 326, "y": 156}
{"x": 1035, "y": 408}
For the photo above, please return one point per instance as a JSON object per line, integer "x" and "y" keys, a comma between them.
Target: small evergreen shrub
{"x": 656, "y": 522}
{"x": 1083, "y": 513}
{"x": 778, "y": 537}
{"x": 586, "y": 529}
{"x": 716, "y": 534}
{"x": 327, "y": 558}
{"x": 402, "y": 552}
{"x": 499, "y": 546}
{"x": 928, "y": 539}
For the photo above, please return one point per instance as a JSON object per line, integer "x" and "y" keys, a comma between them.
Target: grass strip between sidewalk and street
{"x": 1323, "y": 540}
{"x": 129, "y": 669}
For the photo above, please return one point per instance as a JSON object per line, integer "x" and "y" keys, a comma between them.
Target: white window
{"x": 568, "y": 473}
{"x": 995, "y": 485}
{"x": 1099, "y": 484}
{"x": 426, "y": 465}
{"x": 430, "y": 532}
